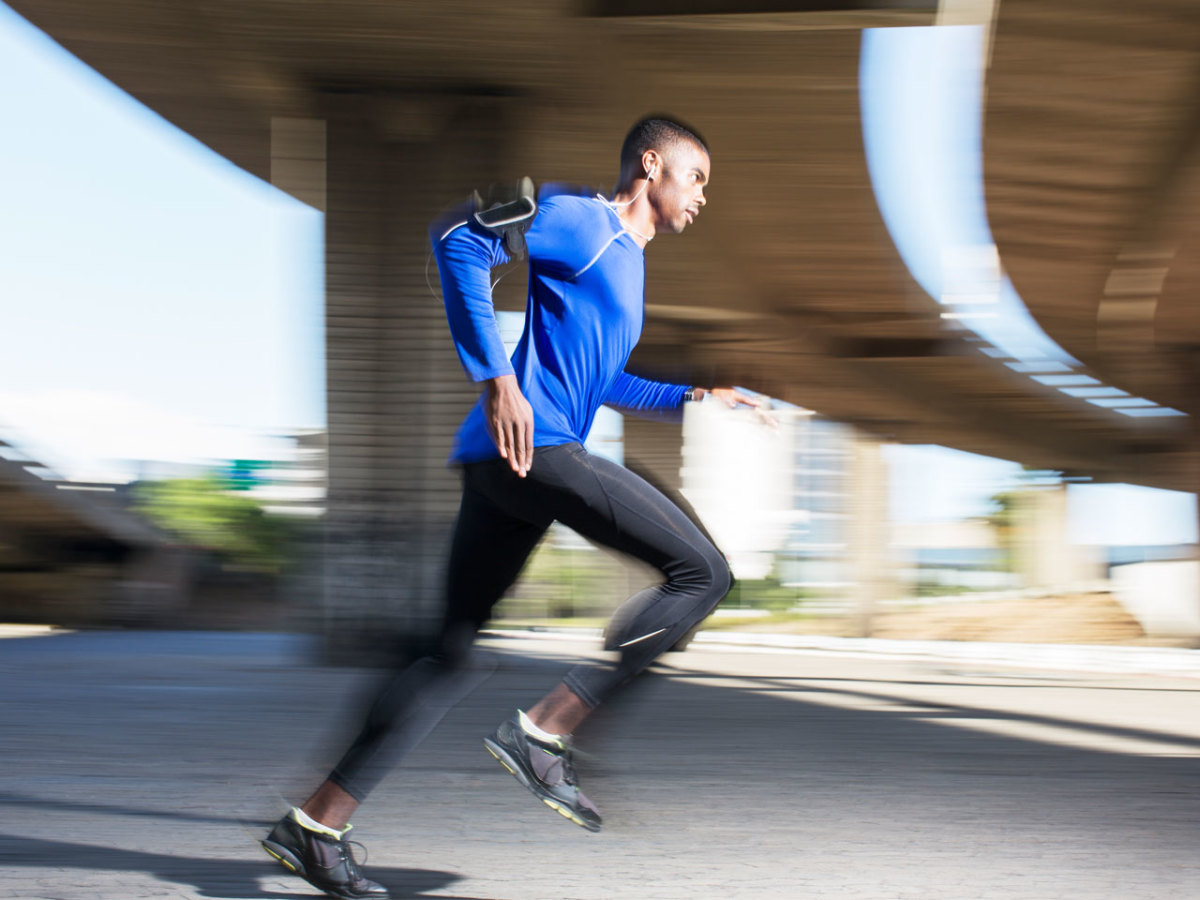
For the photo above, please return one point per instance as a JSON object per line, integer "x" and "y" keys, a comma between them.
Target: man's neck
{"x": 634, "y": 210}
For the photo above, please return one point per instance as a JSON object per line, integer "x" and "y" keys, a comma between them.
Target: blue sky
{"x": 142, "y": 271}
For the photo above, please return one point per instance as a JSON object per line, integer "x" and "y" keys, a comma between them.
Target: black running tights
{"x": 501, "y": 520}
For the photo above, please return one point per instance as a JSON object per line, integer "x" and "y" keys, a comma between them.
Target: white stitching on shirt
{"x": 595, "y": 258}
{"x": 452, "y": 228}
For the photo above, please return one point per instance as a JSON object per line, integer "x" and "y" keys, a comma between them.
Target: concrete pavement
{"x": 130, "y": 763}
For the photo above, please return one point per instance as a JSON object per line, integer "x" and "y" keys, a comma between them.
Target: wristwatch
{"x": 689, "y": 396}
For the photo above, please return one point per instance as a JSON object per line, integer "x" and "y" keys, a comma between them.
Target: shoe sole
{"x": 289, "y": 861}
{"x": 284, "y": 857}
{"x": 513, "y": 768}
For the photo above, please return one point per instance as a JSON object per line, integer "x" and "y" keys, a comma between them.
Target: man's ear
{"x": 651, "y": 164}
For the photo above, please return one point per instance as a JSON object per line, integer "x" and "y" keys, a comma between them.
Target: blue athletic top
{"x": 583, "y": 317}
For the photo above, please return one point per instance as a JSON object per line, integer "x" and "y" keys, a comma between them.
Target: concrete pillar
{"x": 871, "y": 572}
{"x": 396, "y": 391}
{"x": 1045, "y": 557}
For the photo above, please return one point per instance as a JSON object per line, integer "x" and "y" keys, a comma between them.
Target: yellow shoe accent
{"x": 563, "y": 811}
{"x": 286, "y": 864}
{"x": 497, "y": 758}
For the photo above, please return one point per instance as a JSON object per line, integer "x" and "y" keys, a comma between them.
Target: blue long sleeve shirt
{"x": 583, "y": 318}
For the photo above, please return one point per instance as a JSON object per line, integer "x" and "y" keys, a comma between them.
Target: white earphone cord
{"x": 628, "y": 202}
{"x": 615, "y": 206}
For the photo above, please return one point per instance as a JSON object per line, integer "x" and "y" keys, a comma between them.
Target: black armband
{"x": 508, "y": 211}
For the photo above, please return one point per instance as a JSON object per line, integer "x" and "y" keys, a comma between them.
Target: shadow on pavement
{"x": 931, "y": 710}
{"x": 9, "y": 798}
{"x": 221, "y": 879}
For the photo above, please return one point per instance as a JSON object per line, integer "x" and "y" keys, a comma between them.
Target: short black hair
{"x": 655, "y": 132}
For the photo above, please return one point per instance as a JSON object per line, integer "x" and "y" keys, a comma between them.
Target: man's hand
{"x": 733, "y": 398}
{"x": 510, "y": 422}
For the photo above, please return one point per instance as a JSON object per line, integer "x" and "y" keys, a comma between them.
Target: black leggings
{"x": 501, "y": 520}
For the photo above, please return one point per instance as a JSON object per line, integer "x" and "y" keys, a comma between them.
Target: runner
{"x": 524, "y": 466}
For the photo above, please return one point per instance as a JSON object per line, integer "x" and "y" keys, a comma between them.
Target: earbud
{"x": 650, "y": 175}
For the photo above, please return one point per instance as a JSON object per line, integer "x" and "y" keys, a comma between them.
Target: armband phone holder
{"x": 508, "y": 211}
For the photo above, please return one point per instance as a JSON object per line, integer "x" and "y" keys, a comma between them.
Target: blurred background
{"x": 953, "y": 244}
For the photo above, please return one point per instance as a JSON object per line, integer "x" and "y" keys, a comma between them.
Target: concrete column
{"x": 1045, "y": 557}
{"x": 396, "y": 391}
{"x": 871, "y": 572}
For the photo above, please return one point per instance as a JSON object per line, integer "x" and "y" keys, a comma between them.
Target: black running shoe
{"x": 546, "y": 769}
{"x": 322, "y": 860}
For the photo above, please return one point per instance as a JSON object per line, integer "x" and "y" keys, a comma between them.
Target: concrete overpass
{"x": 380, "y": 113}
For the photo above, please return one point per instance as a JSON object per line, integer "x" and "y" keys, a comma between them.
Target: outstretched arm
{"x": 640, "y": 396}
{"x": 653, "y": 399}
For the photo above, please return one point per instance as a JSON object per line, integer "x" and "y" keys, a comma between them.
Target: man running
{"x": 524, "y": 466}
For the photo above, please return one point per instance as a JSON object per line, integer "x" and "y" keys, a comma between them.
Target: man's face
{"x": 677, "y": 191}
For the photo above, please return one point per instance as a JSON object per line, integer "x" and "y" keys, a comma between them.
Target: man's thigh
{"x": 601, "y": 501}
{"x": 488, "y": 549}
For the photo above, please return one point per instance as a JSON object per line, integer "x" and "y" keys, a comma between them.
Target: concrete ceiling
{"x": 789, "y": 280}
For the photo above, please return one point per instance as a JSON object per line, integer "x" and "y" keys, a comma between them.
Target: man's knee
{"x": 709, "y": 573}
{"x": 722, "y": 577}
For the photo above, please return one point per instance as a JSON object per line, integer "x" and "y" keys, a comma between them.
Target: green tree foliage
{"x": 203, "y": 512}
{"x": 1004, "y": 521}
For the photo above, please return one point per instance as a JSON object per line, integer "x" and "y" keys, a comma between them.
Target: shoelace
{"x": 346, "y": 855}
{"x": 568, "y": 765}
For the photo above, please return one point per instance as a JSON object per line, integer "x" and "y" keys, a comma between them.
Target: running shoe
{"x": 324, "y": 861}
{"x": 546, "y": 769}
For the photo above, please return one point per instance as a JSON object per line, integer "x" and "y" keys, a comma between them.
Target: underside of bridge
{"x": 381, "y": 113}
